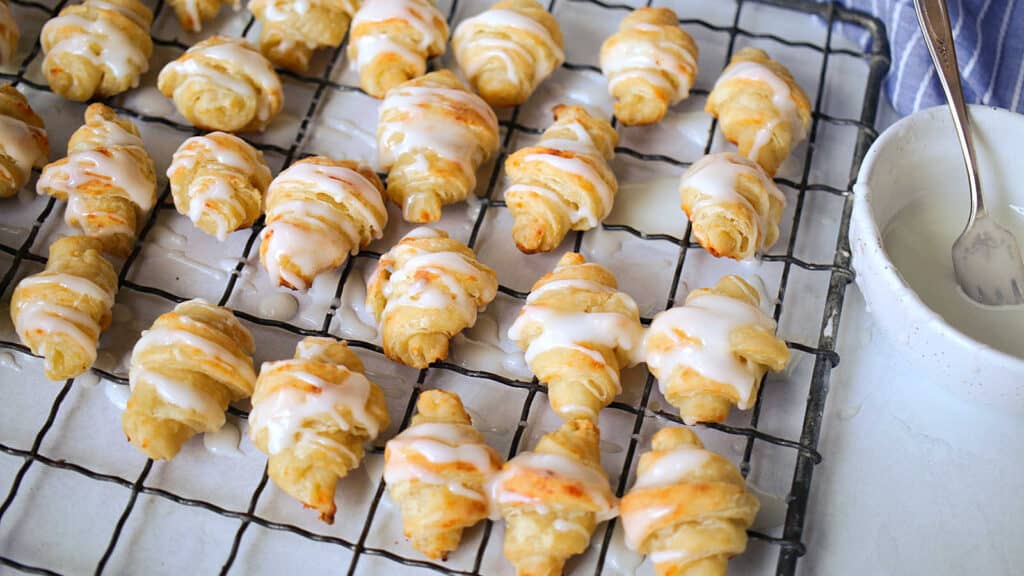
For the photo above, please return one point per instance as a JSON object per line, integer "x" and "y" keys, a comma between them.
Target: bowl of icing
{"x": 911, "y": 202}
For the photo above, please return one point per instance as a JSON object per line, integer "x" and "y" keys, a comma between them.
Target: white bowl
{"x": 919, "y": 154}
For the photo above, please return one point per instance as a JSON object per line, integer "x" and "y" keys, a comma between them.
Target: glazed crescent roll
{"x": 760, "y": 108}
{"x": 733, "y": 207}
{"x": 311, "y": 416}
{"x": 689, "y": 509}
{"x": 60, "y": 312}
{"x": 392, "y": 40}
{"x": 712, "y": 353}
{"x": 508, "y": 50}
{"x": 552, "y": 499}
{"x": 650, "y": 64}
{"x": 224, "y": 84}
{"x": 107, "y": 179}
{"x": 97, "y": 49}
{"x": 437, "y": 470}
{"x": 218, "y": 181}
{"x": 9, "y": 34}
{"x": 293, "y": 30}
{"x": 23, "y": 141}
{"x": 432, "y": 136}
{"x": 192, "y": 13}
{"x": 579, "y": 331}
{"x": 563, "y": 182}
{"x": 423, "y": 292}
{"x": 318, "y": 212}
{"x": 185, "y": 370}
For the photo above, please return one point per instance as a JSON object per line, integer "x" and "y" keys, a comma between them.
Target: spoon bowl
{"x": 987, "y": 263}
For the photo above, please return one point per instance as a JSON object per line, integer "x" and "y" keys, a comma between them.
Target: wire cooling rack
{"x": 787, "y": 543}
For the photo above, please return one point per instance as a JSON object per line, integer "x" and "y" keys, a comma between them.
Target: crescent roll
{"x": 293, "y": 30}
{"x": 9, "y": 34}
{"x": 97, "y": 49}
{"x": 432, "y": 136}
{"x": 23, "y": 141}
{"x": 650, "y": 64}
{"x": 437, "y": 470}
{"x": 733, "y": 207}
{"x": 423, "y": 292}
{"x": 563, "y": 182}
{"x": 311, "y": 415}
{"x": 760, "y": 108}
{"x": 224, "y": 84}
{"x": 689, "y": 509}
{"x": 185, "y": 370}
{"x": 392, "y": 40}
{"x": 318, "y": 212}
{"x": 712, "y": 353}
{"x": 508, "y": 50}
{"x": 579, "y": 331}
{"x": 192, "y": 13}
{"x": 552, "y": 499}
{"x": 60, "y": 312}
{"x": 107, "y": 179}
{"x": 218, "y": 181}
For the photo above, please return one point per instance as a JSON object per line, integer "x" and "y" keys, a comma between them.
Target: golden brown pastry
{"x": 392, "y": 40}
{"x": 733, "y": 207}
{"x": 423, "y": 292}
{"x": 97, "y": 49}
{"x": 318, "y": 212}
{"x": 192, "y": 13}
{"x": 713, "y": 352}
{"x": 563, "y": 182}
{"x": 9, "y": 34}
{"x": 185, "y": 370}
{"x": 107, "y": 179}
{"x": 579, "y": 331}
{"x": 311, "y": 416}
{"x": 23, "y": 141}
{"x": 650, "y": 64}
{"x": 689, "y": 509}
{"x": 437, "y": 470}
{"x": 553, "y": 498}
{"x": 760, "y": 108}
{"x": 432, "y": 135}
{"x": 508, "y": 50}
{"x": 224, "y": 84}
{"x": 60, "y": 312}
{"x": 218, "y": 181}
{"x": 293, "y": 30}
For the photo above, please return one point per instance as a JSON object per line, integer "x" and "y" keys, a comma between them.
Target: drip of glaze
{"x": 117, "y": 394}
{"x": 224, "y": 442}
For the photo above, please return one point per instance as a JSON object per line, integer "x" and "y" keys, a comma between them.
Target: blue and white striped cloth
{"x": 990, "y": 48}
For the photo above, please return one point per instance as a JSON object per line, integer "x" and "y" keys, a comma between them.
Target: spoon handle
{"x": 933, "y": 16}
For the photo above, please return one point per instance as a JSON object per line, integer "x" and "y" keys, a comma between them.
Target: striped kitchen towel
{"x": 990, "y": 48}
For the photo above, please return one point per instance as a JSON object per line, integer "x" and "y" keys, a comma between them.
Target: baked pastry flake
{"x": 712, "y": 352}
{"x": 23, "y": 141}
{"x": 107, "y": 179}
{"x": 9, "y": 34}
{"x": 218, "y": 181}
{"x": 319, "y": 211}
{"x": 224, "y": 84}
{"x": 392, "y": 40}
{"x": 650, "y": 64}
{"x": 292, "y": 31}
{"x": 423, "y": 292}
{"x": 311, "y": 415}
{"x": 97, "y": 49}
{"x": 185, "y": 370}
{"x": 437, "y": 470}
{"x": 60, "y": 312}
{"x": 760, "y": 108}
{"x": 192, "y": 13}
{"x": 507, "y": 50}
{"x": 563, "y": 182}
{"x": 689, "y": 510}
{"x": 734, "y": 208}
{"x": 432, "y": 136}
{"x": 579, "y": 331}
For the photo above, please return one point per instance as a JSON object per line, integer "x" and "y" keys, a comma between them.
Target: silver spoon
{"x": 986, "y": 256}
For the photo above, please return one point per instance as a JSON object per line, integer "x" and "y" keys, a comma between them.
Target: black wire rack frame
{"x": 790, "y": 545}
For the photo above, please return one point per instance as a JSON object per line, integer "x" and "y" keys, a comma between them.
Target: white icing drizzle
{"x": 439, "y": 443}
{"x": 566, "y": 526}
{"x": 77, "y": 284}
{"x": 709, "y": 318}
{"x": 650, "y": 59}
{"x": 421, "y": 15}
{"x": 592, "y": 482}
{"x": 224, "y": 442}
{"x": 101, "y": 41}
{"x": 486, "y": 47}
{"x": 51, "y": 318}
{"x": 782, "y": 99}
{"x": 19, "y": 141}
{"x": 179, "y": 393}
{"x": 188, "y": 343}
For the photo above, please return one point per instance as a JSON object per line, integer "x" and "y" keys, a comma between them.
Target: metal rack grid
{"x": 790, "y": 545}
